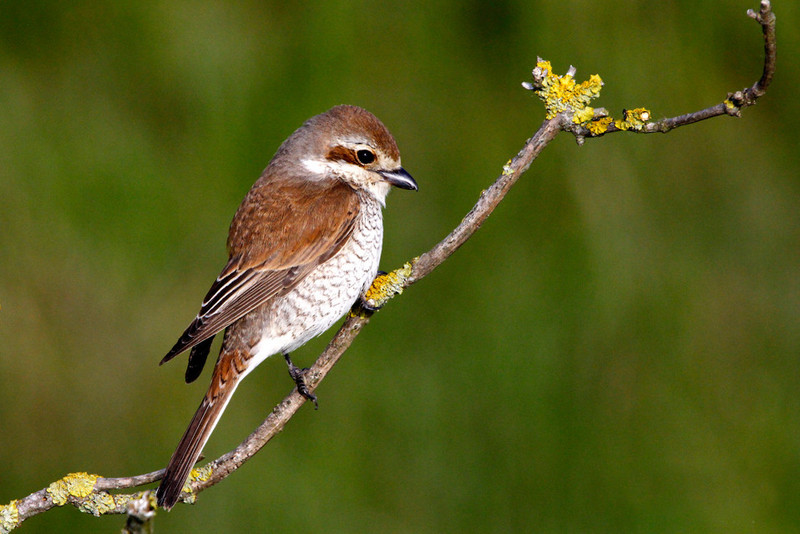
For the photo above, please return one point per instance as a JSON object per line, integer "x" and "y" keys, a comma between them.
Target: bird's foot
{"x": 299, "y": 377}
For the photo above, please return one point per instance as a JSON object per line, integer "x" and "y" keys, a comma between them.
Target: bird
{"x": 303, "y": 247}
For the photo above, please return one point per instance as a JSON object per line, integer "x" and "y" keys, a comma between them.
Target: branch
{"x": 88, "y": 493}
{"x": 561, "y": 94}
{"x": 567, "y": 110}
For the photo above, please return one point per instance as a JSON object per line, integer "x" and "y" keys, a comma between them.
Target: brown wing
{"x": 280, "y": 233}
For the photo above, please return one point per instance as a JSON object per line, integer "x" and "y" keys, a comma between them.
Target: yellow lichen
{"x": 641, "y": 114}
{"x": 634, "y": 119}
{"x": 599, "y": 126}
{"x": 563, "y": 93}
{"x": 583, "y": 115}
{"x": 560, "y": 93}
{"x": 201, "y": 473}
{"x": 507, "y": 169}
{"x": 386, "y": 286}
{"x": 729, "y": 104}
{"x": 77, "y": 485}
{"x": 98, "y": 504}
{"x": 9, "y": 517}
{"x": 196, "y": 474}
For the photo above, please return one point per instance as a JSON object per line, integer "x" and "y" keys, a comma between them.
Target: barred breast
{"x": 322, "y": 297}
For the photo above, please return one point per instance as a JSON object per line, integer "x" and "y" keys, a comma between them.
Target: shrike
{"x": 304, "y": 245}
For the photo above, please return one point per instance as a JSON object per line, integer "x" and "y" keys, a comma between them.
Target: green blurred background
{"x": 617, "y": 350}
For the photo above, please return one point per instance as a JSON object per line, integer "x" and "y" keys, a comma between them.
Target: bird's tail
{"x": 195, "y": 438}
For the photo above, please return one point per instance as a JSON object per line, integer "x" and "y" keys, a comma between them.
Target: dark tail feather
{"x": 191, "y": 446}
{"x": 197, "y": 359}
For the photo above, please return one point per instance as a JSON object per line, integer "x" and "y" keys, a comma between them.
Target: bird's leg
{"x": 299, "y": 377}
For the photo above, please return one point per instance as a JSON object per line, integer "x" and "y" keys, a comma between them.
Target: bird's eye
{"x": 365, "y": 157}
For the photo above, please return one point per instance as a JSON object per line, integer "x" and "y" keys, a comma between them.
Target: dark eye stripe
{"x": 340, "y": 153}
{"x": 359, "y": 157}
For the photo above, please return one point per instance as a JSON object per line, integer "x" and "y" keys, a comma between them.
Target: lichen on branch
{"x": 563, "y": 93}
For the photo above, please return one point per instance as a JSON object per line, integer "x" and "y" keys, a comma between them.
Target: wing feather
{"x": 280, "y": 233}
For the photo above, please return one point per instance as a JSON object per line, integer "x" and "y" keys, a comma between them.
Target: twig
{"x": 732, "y": 105}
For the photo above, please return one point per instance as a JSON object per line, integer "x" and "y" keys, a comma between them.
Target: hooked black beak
{"x": 399, "y": 178}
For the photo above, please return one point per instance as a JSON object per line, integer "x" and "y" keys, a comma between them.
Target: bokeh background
{"x": 617, "y": 349}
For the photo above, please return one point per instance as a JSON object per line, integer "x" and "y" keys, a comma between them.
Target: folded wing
{"x": 280, "y": 233}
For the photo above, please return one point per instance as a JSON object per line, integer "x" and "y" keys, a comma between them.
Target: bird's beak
{"x": 399, "y": 178}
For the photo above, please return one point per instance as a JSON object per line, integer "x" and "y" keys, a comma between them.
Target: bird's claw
{"x": 299, "y": 377}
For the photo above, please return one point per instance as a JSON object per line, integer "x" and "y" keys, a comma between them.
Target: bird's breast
{"x": 328, "y": 291}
